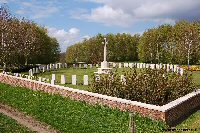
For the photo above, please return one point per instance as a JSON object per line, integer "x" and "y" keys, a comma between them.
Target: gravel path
{"x": 25, "y": 120}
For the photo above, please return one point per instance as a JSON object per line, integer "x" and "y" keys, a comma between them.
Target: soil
{"x": 25, "y": 120}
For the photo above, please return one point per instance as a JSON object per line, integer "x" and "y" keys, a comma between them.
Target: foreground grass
{"x": 193, "y": 122}
{"x": 8, "y": 125}
{"x": 73, "y": 116}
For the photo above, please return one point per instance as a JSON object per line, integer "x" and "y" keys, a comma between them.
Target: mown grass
{"x": 90, "y": 72}
{"x": 193, "y": 122}
{"x": 8, "y": 125}
{"x": 71, "y": 116}
{"x": 196, "y": 77}
{"x": 79, "y": 72}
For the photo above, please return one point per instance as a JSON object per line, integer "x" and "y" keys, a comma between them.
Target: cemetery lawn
{"x": 90, "y": 72}
{"x": 196, "y": 76}
{"x": 8, "y": 125}
{"x": 71, "y": 116}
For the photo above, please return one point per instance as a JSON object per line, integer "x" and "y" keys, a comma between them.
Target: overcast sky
{"x": 72, "y": 20}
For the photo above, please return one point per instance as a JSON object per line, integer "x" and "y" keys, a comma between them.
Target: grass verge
{"x": 8, "y": 125}
{"x": 71, "y": 116}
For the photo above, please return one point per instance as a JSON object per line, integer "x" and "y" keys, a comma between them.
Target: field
{"x": 8, "y": 125}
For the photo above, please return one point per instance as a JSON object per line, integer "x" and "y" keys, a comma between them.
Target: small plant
{"x": 149, "y": 85}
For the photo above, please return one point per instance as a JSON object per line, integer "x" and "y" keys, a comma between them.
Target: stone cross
{"x": 104, "y": 50}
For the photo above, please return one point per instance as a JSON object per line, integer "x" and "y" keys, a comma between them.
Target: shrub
{"x": 149, "y": 85}
{"x": 20, "y": 69}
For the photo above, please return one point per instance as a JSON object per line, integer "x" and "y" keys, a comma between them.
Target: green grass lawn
{"x": 90, "y": 72}
{"x": 193, "y": 122}
{"x": 8, "y": 125}
{"x": 196, "y": 77}
{"x": 71, "y": 116}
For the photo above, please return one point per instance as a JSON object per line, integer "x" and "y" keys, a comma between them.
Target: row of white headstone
{"x": 64, "y": 81}
{"x": 49, "y": 67}
{"x": 168, "y": 67}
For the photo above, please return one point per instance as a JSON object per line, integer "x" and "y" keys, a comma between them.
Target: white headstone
{"x": 36, "y": 70}
{"x": 74, "y": 65}
{"x": 97, "y": 65}
{"x": 137, "y": 65}
{"x": 56, "y": 66}
{"x": 164, "y": 66}
{"x": 130, "y": 65}
{"x": 157, "y": 66}
{"x": 114, "y": 65}
{"x": 125, "y": 64}
{"x": 48, "y": 67}
{"x": 33, "y": 70}
{"x": 90, "y": 65}
{"x": 43, "y": 69}
{"x": 73, "y": 79}
{"x": 143, "y": 65}
{"x": 65, "y": 65}
{"x": 85, "y": 65}
{"x": 120, "y": 65}
{"x": 59, "y": 65}
{"x": 97, "y": 78}
{"x": 43, "y": 79}
{"x": 152, "y": 66}
{"x": 79, "y": 65}
{"x": 161, "y": 66}
{"x": 175, "y": 68}
{"x": 53, "y": 82}
{"x": 172, "y": 67}
{"x": 123, "y": 79}
{"x": 181, "y": 71}
{"x": 53, "y": 77}
{"x": 40, "y": 79}
{"x": 168, "y": 67}
{"x": 30, "y": 72}
{"x": 85, "y": 80}
{"x": 63, "y": 79}
{"x": 17, "y": 74}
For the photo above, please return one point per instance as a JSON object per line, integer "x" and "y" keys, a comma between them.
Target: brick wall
{"x": 168, "y": 113}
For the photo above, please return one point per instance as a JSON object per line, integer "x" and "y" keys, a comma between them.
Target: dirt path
{"x": 25, "y": 120}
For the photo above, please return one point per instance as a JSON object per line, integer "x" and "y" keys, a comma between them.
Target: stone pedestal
{"x": 104, "y": 68}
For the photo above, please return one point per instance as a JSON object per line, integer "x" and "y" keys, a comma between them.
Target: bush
{"x": 151, "y": 86}
{"x": 20, "y": 69}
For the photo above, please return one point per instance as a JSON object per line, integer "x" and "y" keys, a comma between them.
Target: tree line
{"x": 23, "y": 42}
{"x": 177, "y": 44}
{"x": 121, "y": 47}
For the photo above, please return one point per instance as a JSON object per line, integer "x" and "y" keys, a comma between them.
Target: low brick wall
{"x": 168, "y": 113}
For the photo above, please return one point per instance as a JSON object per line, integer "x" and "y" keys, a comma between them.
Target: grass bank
{"x": 8, "y": 125}
{"x": 71, "y": 116}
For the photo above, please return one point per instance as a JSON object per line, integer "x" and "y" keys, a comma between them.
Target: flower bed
{"x": 191, "y": 68}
